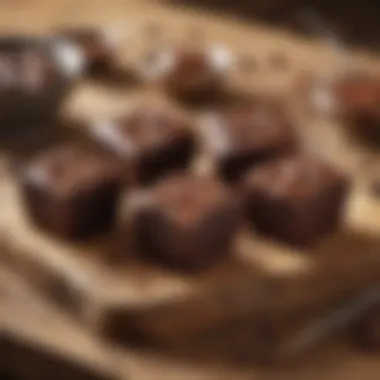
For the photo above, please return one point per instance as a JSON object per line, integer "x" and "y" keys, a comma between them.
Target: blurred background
{"x": 40, "y": 341}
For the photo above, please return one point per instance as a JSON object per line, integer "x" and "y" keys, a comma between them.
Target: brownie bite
{"x": 97, "y": 46}
{"x": 353, "y": 98}
{"x": 185, "y": 222}
{"x": 190, "y": 74}
{"x": 33, "y": 84}
{"x": 244, "y": 135}
{"x": 149, "y": 142}
{"x": 358, "y": 100}
{"x": 298, "y": 199}
{"x": 72, "y": 191}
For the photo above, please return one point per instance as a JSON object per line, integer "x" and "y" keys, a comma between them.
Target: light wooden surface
{"x": 92, "y": 101}
{"x": 33, "y": 333}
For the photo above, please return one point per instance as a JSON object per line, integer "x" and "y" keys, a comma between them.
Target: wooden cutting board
{"x": 38, "y": 342}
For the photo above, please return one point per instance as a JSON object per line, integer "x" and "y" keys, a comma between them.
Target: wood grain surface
{"x": 38, "y": 342}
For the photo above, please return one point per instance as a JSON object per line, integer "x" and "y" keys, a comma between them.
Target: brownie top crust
{"x": 298, "y": 175}
{"x": 144, "y": 129}
{"x": 72, "y": 167}
{"x": 358, "y": 93}
{"x": 94, "y": 42}
{"x": 346, "y": 95}
{"x": 187, "y": 199}
{"x": 246, "y": 127}
{"x": 190, "y": 65}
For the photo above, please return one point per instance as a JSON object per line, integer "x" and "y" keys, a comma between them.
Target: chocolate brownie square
{"x": 190, "y": 74}
{"x": 149, "y": 141}
{"x": 72, "y": 191}
{"x": 34, "y": 82}
{"x": 358, "y": 99}
{"x": 246, "y": 134}
{"x": 185, "y": 222}
{"x": 297, "y": 199}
